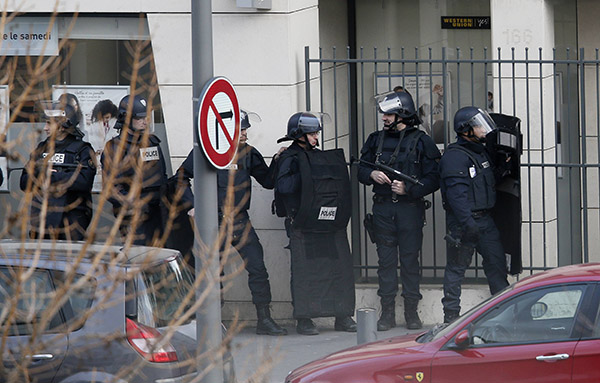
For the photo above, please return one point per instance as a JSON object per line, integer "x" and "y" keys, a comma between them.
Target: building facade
{"x": 261, "y": 47}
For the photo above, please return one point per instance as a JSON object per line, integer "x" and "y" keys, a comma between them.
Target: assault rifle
{"x": 57, "y": 166}
{"x": 389, "y": 171}
{"x": 67, "y": 168}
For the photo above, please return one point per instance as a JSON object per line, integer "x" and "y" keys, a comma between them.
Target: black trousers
{"x": 151, "y": 225}
{"x": 399, "y": 237}
{"x": 459, "y": 259}
{"x": 246, "y": 242}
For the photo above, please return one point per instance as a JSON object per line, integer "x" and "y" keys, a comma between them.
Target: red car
{"x": 544, "y": 328}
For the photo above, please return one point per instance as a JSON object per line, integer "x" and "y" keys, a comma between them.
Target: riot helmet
{"x": 72, "y": 100}
{"x": 246, "y": 117}
{"x": 302, "y": 123}
{"x": 401, "y": 104}
{"x": 64, "y": 115}
{"x": 470, "y": 117}
{"x": 139, "y": 109}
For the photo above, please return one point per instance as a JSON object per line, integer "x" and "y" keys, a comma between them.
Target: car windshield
{"x": 161, "y": 290}
{"x": 442, "y": 329}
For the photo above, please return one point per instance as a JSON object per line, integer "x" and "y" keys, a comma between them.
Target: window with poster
{"x": 95, "y": 58}
{"x": 98, "y": 106}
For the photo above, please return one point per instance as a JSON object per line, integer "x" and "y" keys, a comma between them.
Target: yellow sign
{"x": 419, "y": 376}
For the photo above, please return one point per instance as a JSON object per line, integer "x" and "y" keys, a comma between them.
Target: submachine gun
{"x": 67, "y": 168}
{"x": 393, "y": 174}
{"x": 389, "y": 171}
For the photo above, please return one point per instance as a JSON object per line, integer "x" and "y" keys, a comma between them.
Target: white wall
{"x": 261, "y": 52}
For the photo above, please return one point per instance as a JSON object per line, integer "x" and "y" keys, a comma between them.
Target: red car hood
{"x": 403, "y": 347}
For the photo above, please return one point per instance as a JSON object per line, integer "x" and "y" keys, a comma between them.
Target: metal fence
{"x": 556, "y": 96}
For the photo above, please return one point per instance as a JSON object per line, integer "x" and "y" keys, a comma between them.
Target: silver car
{"x": 72, "y": 312}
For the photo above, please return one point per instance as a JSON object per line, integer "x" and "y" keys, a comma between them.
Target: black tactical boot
{"x": 345, "y": 324}
{"x": 306, "y": 326}
{"x": 387, "y": 320}
{"x": 413, "y": 322}
{"x": 265, "y": 325}
{"x": 450, "y": 315}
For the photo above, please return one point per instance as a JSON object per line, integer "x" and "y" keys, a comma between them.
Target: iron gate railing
{"x": 557, "y": 98}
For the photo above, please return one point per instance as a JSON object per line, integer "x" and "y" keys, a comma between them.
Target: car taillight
{"x": 148, "y": 342}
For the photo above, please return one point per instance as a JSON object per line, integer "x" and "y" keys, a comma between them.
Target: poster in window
{"x": 97, "y": 107}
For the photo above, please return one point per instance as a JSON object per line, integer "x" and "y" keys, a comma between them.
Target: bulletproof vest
{"x": 482, "y": 189}
{"x": 153, "y": 168}
{"x": 64, "y": 155}
{"x": 65, "y": 159}
{"x": 286, "y": 205}
{"x": 400, "y": 152}
{"x": 152, "y": 163}
{"x": 242, "y": 186}
{"x": 325, "y": 204}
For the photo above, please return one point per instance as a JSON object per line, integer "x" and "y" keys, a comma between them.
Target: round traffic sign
{"x": 219, "y": 122}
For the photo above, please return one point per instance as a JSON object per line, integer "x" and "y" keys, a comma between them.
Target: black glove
{"x": 471, "y": 234}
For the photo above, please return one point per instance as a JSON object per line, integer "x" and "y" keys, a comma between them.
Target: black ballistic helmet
{"x": 138, "y": 109}
{"x": 398, "y": 103}
{"x": 245, "y": 118}
{"x": 401, "y": 104}
{"x": 302, "y": 123}
{"x": 470, "y": 117}
{"x": 64, "y": 114}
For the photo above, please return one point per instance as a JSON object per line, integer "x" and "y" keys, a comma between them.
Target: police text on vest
{"x": 149, "y": 154}
{"x": 327, "y": 213}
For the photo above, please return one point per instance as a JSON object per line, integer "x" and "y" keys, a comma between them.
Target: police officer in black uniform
{"x": 234, "y": 194}
{"x": 399, "y": 207}
{"x": 142, "y": 161}
{"x": 469, "y": 193}
{"x": 70, "y": 163}
{"x": 303, "y": 129}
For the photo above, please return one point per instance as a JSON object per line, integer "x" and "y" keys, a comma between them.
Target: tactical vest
{"x": 153, "y": 166}
{"x": 285, "y": 205}
{"x": 482, "y": 185}
{"x": 78, "y": 200}
{"x": 403, "y": 155}
{"x": 325, "y": 204}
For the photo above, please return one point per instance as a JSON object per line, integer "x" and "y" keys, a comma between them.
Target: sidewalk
{"x": 268, "y": 359}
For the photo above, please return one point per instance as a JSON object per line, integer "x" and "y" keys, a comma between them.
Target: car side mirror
{"x": 462, "y": 339}
{"x": 538, "y": 310}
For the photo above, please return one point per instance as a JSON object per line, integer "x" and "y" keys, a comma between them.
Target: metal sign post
{"x": 208, "y": 316}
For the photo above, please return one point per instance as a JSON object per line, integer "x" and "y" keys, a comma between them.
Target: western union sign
{"x": 466, "y": 22}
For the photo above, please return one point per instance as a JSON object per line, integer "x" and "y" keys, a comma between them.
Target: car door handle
{"x": 33, "y": 358}
{"x": 38, "y": 357}
{"x": 552, "y": 358}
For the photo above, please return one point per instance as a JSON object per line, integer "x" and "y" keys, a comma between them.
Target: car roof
{"x": 55, "y": 250}
{"x": 574, "y": 273}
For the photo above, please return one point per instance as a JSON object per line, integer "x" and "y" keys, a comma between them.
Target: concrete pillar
{"x": 269, "y": 79}
{"x": 529, "y": 24}
{"x": 588, "y": 13}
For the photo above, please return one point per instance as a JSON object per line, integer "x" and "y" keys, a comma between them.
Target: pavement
{"x": 268, "y": 359}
